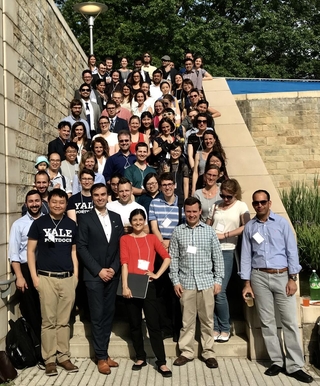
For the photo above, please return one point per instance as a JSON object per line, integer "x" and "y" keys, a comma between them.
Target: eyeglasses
{"x": 151, "y": 183}
{"x": 226, "y": 196}
{"x": 262, "y": 202}
{"x": 124, "y": 140}
{"x": 202, "y": 121}
{"x": 167, "y": 185}
{"x": 176, "y": 150}
{"x": 194, "y": 96}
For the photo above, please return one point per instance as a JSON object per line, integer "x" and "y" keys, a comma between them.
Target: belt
{"x": 57, "y": 275}
{"x": 272, "y": 270}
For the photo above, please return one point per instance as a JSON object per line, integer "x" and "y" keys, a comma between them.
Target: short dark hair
{"x": 41, "y": 173}
{"x": 148, "y": 177}
{"x": 261, "y": 191}
{"x": 87, "y": 171}
{"x": 84, "y": 85}
{"x": 75, "y": 102}
{"x": 63, "y": 124}
{"x": 57, "y": 192}
{"x": 188, "y": 60}
{"x": 135, "y": 212}
{"x": 124, "y": 180}
{"x": 86, "y": 72}
{"x": 96, "y": 186}
{"x": 157, "y": 71}
{"x": 202, "y": 102}
{"x": 70, "y": 144}
{"x": 99, "y": 81}
{"x": 141, "y": 144}
{"x": 32, "y": 192}
{"x": 191, "y": 201}
{"x": 167, "y": 176}
{"x": 124, "y": 132}
{"x": 111, "y": 102}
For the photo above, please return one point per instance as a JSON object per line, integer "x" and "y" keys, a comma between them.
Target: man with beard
{"x": 41, "y": 183}
{"x": 76, "y": 110}
{"x": 28, "y": 296}
{"x": 155, "y": 91}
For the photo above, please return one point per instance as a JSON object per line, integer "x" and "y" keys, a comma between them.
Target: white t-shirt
{"x": 125, "y": 210}
{"x": 227, "y": 220}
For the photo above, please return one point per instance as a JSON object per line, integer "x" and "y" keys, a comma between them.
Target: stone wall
{"x": 40, "y": 64}
{"x": 285, "y": 128}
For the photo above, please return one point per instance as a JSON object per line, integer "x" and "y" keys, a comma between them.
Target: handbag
{"x": 7, "y": 371}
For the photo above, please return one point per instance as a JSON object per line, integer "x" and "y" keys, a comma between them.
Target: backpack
{"x": 22, "y": 345}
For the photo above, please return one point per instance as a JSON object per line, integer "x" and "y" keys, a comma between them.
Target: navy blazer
{"x": 93, "y": 247}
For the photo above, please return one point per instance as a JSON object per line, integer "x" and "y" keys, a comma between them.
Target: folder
{"x": 138, "y": 285}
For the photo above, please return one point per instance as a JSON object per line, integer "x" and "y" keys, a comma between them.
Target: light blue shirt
{"x": 18, "y": 239}
{"x": 269, "y": 244}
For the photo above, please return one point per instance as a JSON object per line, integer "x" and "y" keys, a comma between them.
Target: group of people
{"x": 134, "y": 187}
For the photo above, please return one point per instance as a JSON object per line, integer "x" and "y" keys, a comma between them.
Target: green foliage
{"x": 302, "y": 204}
{"x": 256, "y": 38}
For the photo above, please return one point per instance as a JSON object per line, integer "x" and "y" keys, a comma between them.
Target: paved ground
{"x": 231, "y": 371}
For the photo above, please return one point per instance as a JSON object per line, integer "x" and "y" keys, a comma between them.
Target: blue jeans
{"x": 221, "y": 309}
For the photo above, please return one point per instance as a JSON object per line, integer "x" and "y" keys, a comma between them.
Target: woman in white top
{"x": 140, "y": 107}
{"x": 228, "y": 218}
{"x": 100, "y": 148}
{"x": 111, "y": 138}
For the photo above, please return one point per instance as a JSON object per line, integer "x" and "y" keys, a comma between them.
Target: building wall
{"x": 285, "y": 128}
{"x": 40, "y": 64}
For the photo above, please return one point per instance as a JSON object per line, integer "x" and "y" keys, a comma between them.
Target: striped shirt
{"x": 196, "y": 257}
{"x": 167, "y": 215}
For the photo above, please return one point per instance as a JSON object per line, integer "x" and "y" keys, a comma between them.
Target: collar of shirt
{"x": 271, "y": 217}
{"x": 175, "y": 203}
{"x": 200, "y": 224}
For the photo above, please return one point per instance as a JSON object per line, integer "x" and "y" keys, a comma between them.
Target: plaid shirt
{"x": 200, "y": 270}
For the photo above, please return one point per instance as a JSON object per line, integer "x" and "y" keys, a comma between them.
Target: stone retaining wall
{"x": 285, "y": 128}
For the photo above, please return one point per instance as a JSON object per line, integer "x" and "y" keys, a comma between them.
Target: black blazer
{"x": 93, "y": 247}
{"x": 56, "y": 146}
{"x": 121, "y": 124}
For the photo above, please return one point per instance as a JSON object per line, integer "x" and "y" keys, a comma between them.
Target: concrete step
{"x": 119, "y": 347}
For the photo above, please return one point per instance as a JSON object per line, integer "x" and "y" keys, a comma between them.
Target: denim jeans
{"x": 221, "y": 309}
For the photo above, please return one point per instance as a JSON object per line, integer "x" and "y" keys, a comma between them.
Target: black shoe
{"x": 274, "y": 370}
{"x": 136, "y": 367}
{"x": 301, "y": 376}
{"x": 165, "y": 373}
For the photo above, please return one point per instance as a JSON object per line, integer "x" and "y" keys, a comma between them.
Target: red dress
{"x": 133, "y": 144}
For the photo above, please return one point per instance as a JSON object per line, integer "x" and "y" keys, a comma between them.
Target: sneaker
{"x": 216, "y": 335}
{"x": 51, "y": 369}
{"x": 223, "y": 338}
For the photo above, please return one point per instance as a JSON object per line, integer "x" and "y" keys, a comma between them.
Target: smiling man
{"x": 269, "y": 267}
{"x": 53, "y": 266}
{"x": 196, "y": 272}
{"x": 98, "y": 247}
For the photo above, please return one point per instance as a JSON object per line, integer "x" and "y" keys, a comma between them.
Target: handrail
{"x": 4, "y": 292}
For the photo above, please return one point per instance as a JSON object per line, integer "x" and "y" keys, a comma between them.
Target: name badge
{"x": 168, "y": 156}
{"x": 220, "y": 227}
{"x": 51, "y": 237}
{"x": 192, "y": 249}
{"x": 258, "y": 238}
{"x": 166, "y": 223}
{"x": 143, "y": 264}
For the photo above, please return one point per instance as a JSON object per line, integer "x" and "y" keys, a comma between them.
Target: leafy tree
{"x": 257, "y": 38}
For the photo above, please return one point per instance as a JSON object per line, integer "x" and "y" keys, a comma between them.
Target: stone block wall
{"x": 285, "y": 128}
{"x": 40, "y": 65}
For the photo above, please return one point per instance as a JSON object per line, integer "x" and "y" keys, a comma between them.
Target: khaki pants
{"x": 56, "y": 302}
{"x": 195, "y": 302}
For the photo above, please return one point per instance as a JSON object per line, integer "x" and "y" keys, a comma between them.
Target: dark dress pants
{"x": 151, "y": 312}
{"x": 101, "y": 298}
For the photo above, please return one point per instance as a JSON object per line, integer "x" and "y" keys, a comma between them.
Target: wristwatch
{"x": 293, "y": 277}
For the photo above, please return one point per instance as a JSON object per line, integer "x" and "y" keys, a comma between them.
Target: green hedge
{"x": 302, "y": 203}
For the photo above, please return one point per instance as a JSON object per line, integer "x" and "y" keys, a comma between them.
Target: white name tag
{"x": 166, "y": 223}
{"x": 220, "y": 227}
{"x": 143, "y": 264}
{"x": 258, "y": 238}
{"x": 192, "y": 249}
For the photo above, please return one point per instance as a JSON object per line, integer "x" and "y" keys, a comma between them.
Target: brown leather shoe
{"x": 211, "y": 363}
{"x": 181, "y": 360}
{"x": 69, "y": 366}
{"x": 112, "y": 363}
{"x": 51, "y": 369}
{"x": 103, "y": 367}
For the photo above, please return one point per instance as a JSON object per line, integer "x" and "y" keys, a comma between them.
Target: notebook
{"x": 138, "y": 285}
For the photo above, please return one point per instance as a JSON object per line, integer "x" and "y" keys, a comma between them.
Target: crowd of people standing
{"x": 135, "y": 184}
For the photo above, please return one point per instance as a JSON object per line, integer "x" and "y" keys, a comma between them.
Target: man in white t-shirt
{"x": 125, "y": 205}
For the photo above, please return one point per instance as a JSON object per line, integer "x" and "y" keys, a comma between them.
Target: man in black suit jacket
{"x": 57, "y": 145}
{"x": 116, "y": 124}
{"x": 98, "y": 242}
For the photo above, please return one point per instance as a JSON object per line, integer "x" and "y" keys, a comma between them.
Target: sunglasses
{"x": 85, "y": 89}
{"x": 226, "y": 196}
{"x": 262, "y": 202}
{"x": 124, "y": 140}
{"x": 202, "y": 121}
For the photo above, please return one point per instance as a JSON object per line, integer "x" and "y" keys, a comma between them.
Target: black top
{"x": 81, "y": 204}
